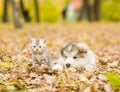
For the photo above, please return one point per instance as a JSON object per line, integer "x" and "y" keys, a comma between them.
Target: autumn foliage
{"x": 17, "y": 73}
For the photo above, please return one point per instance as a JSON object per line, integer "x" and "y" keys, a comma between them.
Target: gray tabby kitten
{"x": 40, "y": 54}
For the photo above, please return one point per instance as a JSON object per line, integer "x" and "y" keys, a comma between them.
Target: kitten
{"x": 40, "y": 54}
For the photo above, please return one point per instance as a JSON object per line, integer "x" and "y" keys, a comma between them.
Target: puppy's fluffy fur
{"x": 76, "y": 55}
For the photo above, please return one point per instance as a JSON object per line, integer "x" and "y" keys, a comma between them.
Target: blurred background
{"x": 52, "y": 11}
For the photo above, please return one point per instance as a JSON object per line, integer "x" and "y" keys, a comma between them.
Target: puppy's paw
{"x": 57, "y": 67}
{"x": 89, "y": 68}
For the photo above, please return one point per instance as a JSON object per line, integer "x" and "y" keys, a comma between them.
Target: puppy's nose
{"x": 36, "y": 49}
{"x": 67, "y": 65}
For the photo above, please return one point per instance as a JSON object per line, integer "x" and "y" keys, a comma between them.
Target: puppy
{"x": 58, "y": 64}
{"x": 75, "y": 55}
{"x": 78, "y": 55}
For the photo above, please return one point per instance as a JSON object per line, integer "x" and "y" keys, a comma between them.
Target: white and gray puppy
{"x": 58, "y": 64}
{"x": 77, "y": 55}
{"x": 40, "y": 54}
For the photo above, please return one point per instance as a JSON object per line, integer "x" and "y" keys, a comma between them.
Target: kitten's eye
{"x": 39, "y": 46}
{"x": 34, "y": 46}
{"x": 74, "y": 57}
{"x": 43, "y": 61}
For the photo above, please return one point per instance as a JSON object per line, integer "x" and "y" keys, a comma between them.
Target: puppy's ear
{"x": 83, "y": 48}
{"x": 65, "y": 48}
{"x": 63, "y": 51}
{"x": 82, "y": 45}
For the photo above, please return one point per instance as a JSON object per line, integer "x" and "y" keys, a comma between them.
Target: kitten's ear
{"x": 44, "y": 40}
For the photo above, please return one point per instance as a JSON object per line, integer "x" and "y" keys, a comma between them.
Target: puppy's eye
{"x": 43, "y": 61}
{"x": 65, "y": 56}
{"x": 75, "y": 57}
{"x": 39, "y": 46}
{"x": 34, "y": 46}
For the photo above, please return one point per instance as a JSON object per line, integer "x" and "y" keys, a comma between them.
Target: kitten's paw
{"x": 57, "y": 67}
{"x": 44, "y": 66}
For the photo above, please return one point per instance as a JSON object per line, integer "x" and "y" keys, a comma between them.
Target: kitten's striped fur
{"x": 40, "y": 53}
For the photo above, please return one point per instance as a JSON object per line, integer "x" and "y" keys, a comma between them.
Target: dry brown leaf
{"x": 89, "y": 89}
{"x": 102, "y": 78}
{"x": 49, "y": 79}
{"x": 108, "y": 88}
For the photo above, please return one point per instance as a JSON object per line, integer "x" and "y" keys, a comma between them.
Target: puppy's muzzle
{"x": 68, "y": 65}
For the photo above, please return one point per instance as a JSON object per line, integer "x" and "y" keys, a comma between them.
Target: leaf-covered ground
{"x": 18, "y": 75}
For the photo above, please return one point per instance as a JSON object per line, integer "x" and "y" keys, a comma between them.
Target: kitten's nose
{"x": 68, "y": 65}
{"x": 36, "y": 49}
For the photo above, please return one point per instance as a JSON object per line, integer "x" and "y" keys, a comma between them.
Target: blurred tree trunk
{"x": 25, "y": 12}
{"x": 16, "y": 14}
{"x": 5, "y": 11}
{"x": 97, "y": 9}
{"x": 88, "y": 9}
{"x": 92, "y": 10}
{"x": 37, "y": 10}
